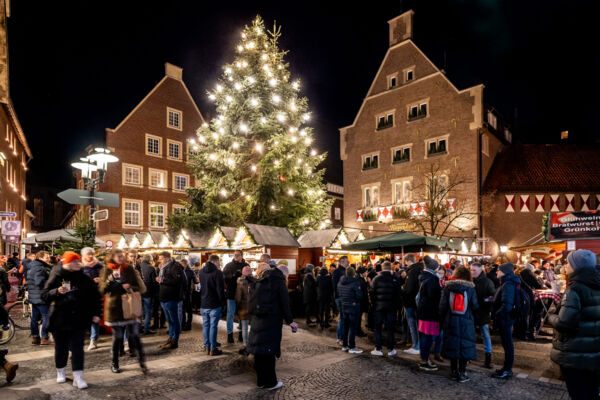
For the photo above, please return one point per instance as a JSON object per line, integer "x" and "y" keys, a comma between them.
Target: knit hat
{"x": 507, "y": 268}
{"x": 430, "y": 263}
{"x": 529, "y": 267}
{"x": 69, "y": 256}
{"x": 579, "y": 259}
{"x": 309, "y": 267}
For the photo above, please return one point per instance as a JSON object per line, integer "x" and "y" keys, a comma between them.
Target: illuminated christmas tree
{"x": 255, "y": 161}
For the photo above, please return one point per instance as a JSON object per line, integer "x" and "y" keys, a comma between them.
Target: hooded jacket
{"x": 173, "y": 282}
{"x": 484, "y": 287}
{"x": 411, "y": 285}
{"x": 349, "y": 292}
{"x": 241, "y": 296}
{"x": 231, "y": 273}
{"x": 324, "y": 286}
{"x": 336, "y": 276}
{"x": 459, "y": 329}
{"x": 504, "y": 299}
{"x": 36, "y": 280}
{"x": 430, "y": 291}
{"x": 576, "y": 342}
{"x": 385, "y": 292}
{"x": 212, "y": 293}
{"x": 148, "y": 273}
{"x": 265, "y": 334}
{"x": 309, "y": 292}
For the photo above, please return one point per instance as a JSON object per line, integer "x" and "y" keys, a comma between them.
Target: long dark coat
{"x": 459, "y": 329}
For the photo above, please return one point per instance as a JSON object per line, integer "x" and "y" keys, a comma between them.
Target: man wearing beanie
{"x": 575, "y": 346}
{"x": 504, "y": 301}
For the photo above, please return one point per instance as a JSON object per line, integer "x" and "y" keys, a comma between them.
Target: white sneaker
{"x": 279, "y": 384}
{"x": 93, "y": 345}
{"x": 355, "y": 350}
{"x": 345, "y": 348}
{"x": 412, "y": 351}
{"x": 61, "y": 377}
{"x": 391, "y": 353}
{"x": 78, "y": 381}
{"x": 340, "y": 342}
{"x": 376, "y": 353}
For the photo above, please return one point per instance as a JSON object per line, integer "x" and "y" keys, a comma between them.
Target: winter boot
{"x": 165, "y": 344}
{"x": 240, "y": 338}
{"x": 488, "y": 360}
{"x": 115, "y": 368}
{"x": 93, "y": 345}
{"x": 11, "y": 371}
{"x": 36, "y": 340}
{"x": 61, "y": 376}
{"x": 230, "y": 338}
{"x": 78, "y": 381}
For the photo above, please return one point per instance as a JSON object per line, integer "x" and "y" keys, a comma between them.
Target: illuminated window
{"x": 173, "y": 118}
{"x": 132, "y": 212}
{"x": 157, "y": 215}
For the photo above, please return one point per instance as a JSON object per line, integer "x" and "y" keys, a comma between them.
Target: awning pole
{"x": 402, "y": 261}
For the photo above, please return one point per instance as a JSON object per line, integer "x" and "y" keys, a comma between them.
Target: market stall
{"x": 52, "y": 238}
{"x": 324, "y": 247}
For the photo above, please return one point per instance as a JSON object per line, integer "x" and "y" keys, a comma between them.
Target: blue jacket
{"x": 37, "y": 276}
{"x": 349, "y": 292}
{"x": 335, "y": 277}
{"x": 212, "y": 286}
{"x": 504, "y": 299}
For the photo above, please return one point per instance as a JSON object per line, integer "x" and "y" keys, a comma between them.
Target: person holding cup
{"x": 75, "y": 305}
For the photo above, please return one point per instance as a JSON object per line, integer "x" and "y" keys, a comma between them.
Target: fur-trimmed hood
{"x": 458, "y": 285}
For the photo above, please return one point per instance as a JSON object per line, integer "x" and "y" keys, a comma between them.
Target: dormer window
{"x": 393, "y": 82}
{"x": 410, "y": 75}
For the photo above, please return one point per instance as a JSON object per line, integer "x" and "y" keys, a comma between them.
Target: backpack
{"x": 261, "y": 297}
{"x": 521, "y": 305}
{"x": 459, "y": 302}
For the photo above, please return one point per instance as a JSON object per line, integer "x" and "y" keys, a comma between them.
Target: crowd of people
{"x": 438, "y": 309}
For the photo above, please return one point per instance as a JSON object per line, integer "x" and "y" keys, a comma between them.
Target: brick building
{"x": 336, "y": 214}
{"x": 151, "y": 144}
{"x": 413, "y": 117}
{"x": 14, "y": 150}
{"x": 528, "y": 181}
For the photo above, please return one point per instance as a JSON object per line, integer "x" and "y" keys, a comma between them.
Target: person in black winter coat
{"x": 428, "y": 311}
{"x": 170, "y": 292}
{"x": 504, "y": 301}
{"x": 37, "y": 276}
{"x": 575, "y": 347}
{"x": 350, "y": 296}
{"x": 324, "y": 295}
{"x": 485, "y": 290}
{"x": 4, "y": 286}
{"x": 75, "y": 304}
{"x": 309, "y": 293}
{"x": 459, "y": 323}
{"x": 190, "y": 281}
{"x": 529, "y": 283}
{"x": 148, "y": 273}
{"x": 410, "y": 289}
{"x": 268, "y": 306}
{"x": 339, "y": 272}
{"x": 385, "y": 295}
{"x": 231, "y": 273}
{"x": 364, "y": 302}
{"x": 212, "y": 298}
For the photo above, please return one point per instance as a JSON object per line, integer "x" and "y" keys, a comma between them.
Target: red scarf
{"x": 114, "y": 266}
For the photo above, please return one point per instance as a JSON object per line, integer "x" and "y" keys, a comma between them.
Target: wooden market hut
{"x": 322, "y": 247}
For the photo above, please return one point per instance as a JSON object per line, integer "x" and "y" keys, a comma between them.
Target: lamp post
{"x": 96, "y": 161}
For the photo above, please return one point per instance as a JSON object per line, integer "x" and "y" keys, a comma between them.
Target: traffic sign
{"x": 8, "y": 214}
{"x": 109, "y": 244}
{"x": 76, "y": 196}
{"x": 100, "y": 215}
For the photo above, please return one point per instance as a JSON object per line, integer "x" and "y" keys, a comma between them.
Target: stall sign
{"x": 573, "y": 225}
{"x": 571, "y": 246}
{"x": 180, "y": 252}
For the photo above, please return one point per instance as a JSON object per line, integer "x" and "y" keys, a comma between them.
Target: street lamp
{"x": 102, "y": 157}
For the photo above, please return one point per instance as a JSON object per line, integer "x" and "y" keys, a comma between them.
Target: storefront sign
{"x": 180, "y": 252}
{"x": 11, "y": 228}
{"x": 574, "y": 225}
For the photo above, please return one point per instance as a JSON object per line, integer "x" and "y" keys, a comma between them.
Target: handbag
{"x": 132, "y": 305}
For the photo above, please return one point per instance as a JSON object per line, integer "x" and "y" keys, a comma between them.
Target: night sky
{"x": 77, "y": 68}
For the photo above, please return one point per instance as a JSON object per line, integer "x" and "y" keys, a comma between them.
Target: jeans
{"x": 230, "y": 315}
{"x": 65, "y": 341}
{"x": 39, "y": 311}
{"x": 389, "y": 318}
{"x": 487, "y": 339}
{"x": 340, "y": 326}
{"x": 245, "y": 331}
{"x": 264, "y": 364}
{"x": 506, "y": 323}
{"x": 438, "y": 342}
{"x": 350, "y": 315}
{"x": 210, "y": 324}
{"x": 94, "y": 331}
{"x": 180, "y": 313}
{"x": 411, "y": 318}
{"x": 171, "y": 309}
{"x": 426, "y": 342}
{"x": 147, "y": 304}
{"x": 133, "y": 337}
{"x": 581, "y": 385}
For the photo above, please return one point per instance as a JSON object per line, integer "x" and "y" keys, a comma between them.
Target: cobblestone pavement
{"x": 311, "y": 367}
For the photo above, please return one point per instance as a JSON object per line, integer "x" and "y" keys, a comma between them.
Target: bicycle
{"x": 7, "y": 335}
{"x": 20, "y": 312}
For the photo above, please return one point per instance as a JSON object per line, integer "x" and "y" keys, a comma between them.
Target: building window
{"x": 409, "y": 76}
{"x": 400, "y": 155}
{"x": 178, "y": 209}
{"x": 157, "y": 178}
{"x": 174, "y": 150}
{"x": 337, "y": 213}
{"x": 131, "y": 213}
{"x": 385, "y": 121}
{"x": 393, "y": 83}
{"x": 491, "y": 119}
{"x": 153, "y": 145}
{"x": 132, "y": 175}
{"x": 173, "y": 118}
{"x": 371, "y": 161}
{"x": 157, "y": 215}
{"x": 180, "y": 182}
{"x": 417, "y": 111}
{"x": 371, "y": 196}
{"x": 437, "y": 146}
{"x": 485, "y": 145}
{"x": 402, "y": 191}
{"x": 507, "y": 135}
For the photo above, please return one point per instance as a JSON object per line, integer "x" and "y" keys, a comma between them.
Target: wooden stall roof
{"x": 264, "y": 235}
{"x": 326, "y": 237}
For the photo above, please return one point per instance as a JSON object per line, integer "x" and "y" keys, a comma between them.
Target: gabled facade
{"x": 411, "y": 118}
{"x": 152, "y": 146}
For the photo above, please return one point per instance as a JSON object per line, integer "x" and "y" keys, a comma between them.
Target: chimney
{"x": 173, "y": 71}
{"x": 401, "y": 27}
